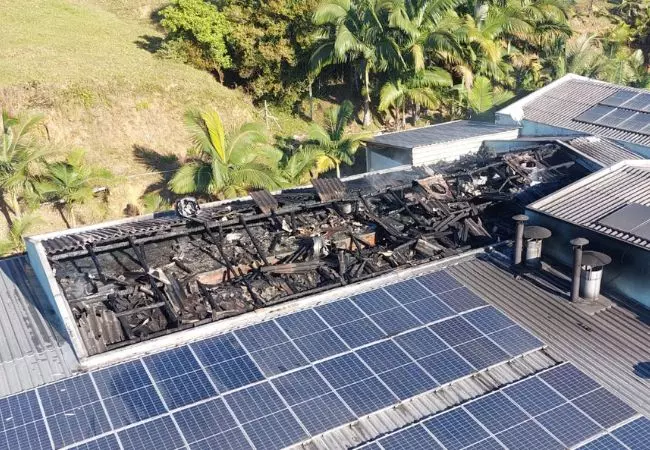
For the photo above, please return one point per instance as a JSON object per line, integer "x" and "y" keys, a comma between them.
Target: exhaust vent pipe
{"x": 520, "y": 219}
{"x": 577, "y": 243}
{"x": 587, "y": 271}
{"x": 534, "y": 236}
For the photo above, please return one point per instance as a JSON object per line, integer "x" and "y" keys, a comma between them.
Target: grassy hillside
{"x": 85, "y": 65}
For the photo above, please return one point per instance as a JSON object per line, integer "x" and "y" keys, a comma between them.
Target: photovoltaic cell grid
{"x": 558, "y": 408}
{"x": 344, "y": 359}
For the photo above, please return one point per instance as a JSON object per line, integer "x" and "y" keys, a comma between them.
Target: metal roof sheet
{"x": 602, "y": 150}
{"x": 32, "y": 351}
{"x": 559, "y": 103}
{"x": 592, "y": 198}
{"x": 612, "y": 346}
{"x": 440, "y": 133}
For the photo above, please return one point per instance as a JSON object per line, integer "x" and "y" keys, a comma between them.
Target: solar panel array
{"x": 555, "y": 409}
{"x": 277, "y": 382}
{"x": 624, "y": 110}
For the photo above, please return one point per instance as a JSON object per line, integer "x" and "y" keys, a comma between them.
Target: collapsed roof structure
{"x": 134, "y": 281}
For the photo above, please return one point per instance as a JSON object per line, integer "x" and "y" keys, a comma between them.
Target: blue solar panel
{"x": 456, "y": 429}
{"x": 461, "y": 299}
{"x": 635, "y": 434}
{"x": 234, "y": 373}
{"x": 320, "y": 345}
{"x": 446, "y": 366}
{"x": 67, "y": 394}
{"x": 455, "y": 331}
{"x": 606, "y": 442}
{"x": 568, "y": 424}
{"x": 103, "y": 443}
{"x": 186, "y": 389}
{"x": 408, "y": 381}
{"x": 343, "y": 370}
{"x": 254, "y": 402}
{"x": 528, "y": 435}
{"x": 408, "y": 291}
{"x": 122, "y": 378}
{"x": 593, "y": 114}
{"x": 228, "y": 440}
{"x": 429, "y": 310}
{"x": 605, "y": 408}
{"x": 18, "y": 410}
{"x": 218, "y": 349}
{"x": 515, "y": 340}
{"x": 171, "y": 363}
{"x": 134, "y": 406}
{"x": 421, "y": 343}
{"x": 569, "y": 381}
{"x": 367, "y": 396}
{"x": 372, "y": 302}
{"x": 359, "y": 332}
{"x": 395, "y": 321}
{"x": 300, "y": 386}
{"x": 618, "y": 98}
{"x": 496, "y": 412}
{"x": 340, "y": 312}
{"x": 301, "y": 323}
{"x": 412, "y": 438}
{"x": 323, "y": 413}
{"x": 32, "y": 436}
{"x": 383, "y": 356}
{"x": 439, "y": 282}
{"x": 275, "y": 431}
{"x": 77, "y": 424}
{"x": 279, "y": 358}
{"x": 261, "y": 335}
{"x": 159, "y": 434}
{"x": 488, "y": 320}
{"x": 534, "y": 396}
{"x": 482, "y": 353}
{"x": 486, "y": 444}
{"x": 204, "y": 420}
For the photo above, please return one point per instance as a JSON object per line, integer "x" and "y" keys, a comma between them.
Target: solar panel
{"x": 604, "y": 408}
{"x": 437, "y": 282}
{"x": 606, "y": 442}
{"x": 19, "y": 410}
{"x": 636, "y": 123}
{"x": 408, "y": 291}
{"x": 218, "y": 349}
{"x": 446, "y": 366}
{"x": 455, "y": 331}
{"x": 569, "y": 381}
{"x": 374, "y": 301}
{"x": 420, "y": 343}
{"x": 204, "y": 420}
{"x": 300, "y": 386}
{"x": 534, "y": 396}
{"x": 254, "y": 402}
{"x": 415, "y": 438}
{"x": 343, "y": 370}
{"x": 481, "y": 353}
{"x": 104, "y": 443}
{"x": 568, "y": 424}
{"x": 367, "y": 396}
{"x": 323, "y": 413}
{"x": 275, "y": 431}
{"x": 638, "y": 103}
{"x": 279, "y": 358}
{"x": 159, "y": 434}
{"x": 301, "y": 323}
{"x": 488, "y": 320}
{"x": 615, "y": 117}
{"x": 261, "y": 335}
{"x": 234, "y": 373}
{"x": 456, "y": 429}
{"x": 359, "y": 332}
{"x": 461, "y": 299}
{"x": 429, "y": 310}
{"x": 320, "y": 345}
{"x": 32, "y": 436}
{"x": 528, "y": 435}
{"x": 383, "y": 356}
{"x": 394, "y": 321}
{"x": 340, "y": 312}
{"x": 486, "y": 444}
{"x": 408, "y": 381}
{"x": 594, "y": 113}
{"x": 618, "y": 98}
{"x": 496, "y": 412}
{"x": 635, "y": 434}
{"x": 515, "y": 340}
{"x": 632, "y": 218}
{"x": 228, "y": 440}
{"x": 134, "y": 406}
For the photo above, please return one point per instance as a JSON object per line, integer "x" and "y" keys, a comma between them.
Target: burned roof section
{"x": 129, "y": 283}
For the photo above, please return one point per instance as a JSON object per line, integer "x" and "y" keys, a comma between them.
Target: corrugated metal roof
{"x": 587, "y": 201}
{"x": 32, "y": 351}
{"x": 612, "y": 346}
{"x": 440, "y": 133}
{"x": 561, "y": 102}
{"x": 602, "y": 150}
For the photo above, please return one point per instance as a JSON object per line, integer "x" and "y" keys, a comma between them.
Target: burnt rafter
{"x": 155, "y": 276}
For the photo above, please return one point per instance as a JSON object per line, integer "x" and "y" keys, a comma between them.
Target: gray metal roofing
{"x": 612, "y": 346}
{"x": 602, "y": 150}
{"x": 440, "y": 133}
{"x": 569, "y": 98}
{"x": 587, "y": 201}
{"x": 32, "y": 352}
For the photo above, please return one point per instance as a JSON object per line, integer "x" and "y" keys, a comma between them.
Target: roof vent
{"x": 587, "y": 271}
{"x": 534, "y": 236}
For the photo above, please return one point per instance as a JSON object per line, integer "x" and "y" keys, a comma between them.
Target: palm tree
{"x": 336, "y": 145}
{"x": 418, "y": 89}
{"x": 482, "y": 97}
{"x": 70, "y": 183}
{"x": 582, "y": 56}
{"x": 226, "y": 166}
{"x": 303, "y": 165}
{"x": 21, "y": 164}
{"x": 15, "y": 243}
{"x": 356, "y": 30}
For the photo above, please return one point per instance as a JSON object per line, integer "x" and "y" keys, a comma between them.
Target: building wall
{"x": 450, "y": 151}
{"x": 381, "y": 158}
{"x": 629, "y": 272}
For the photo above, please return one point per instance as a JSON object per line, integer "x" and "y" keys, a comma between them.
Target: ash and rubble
{"x": 134, "y": 282}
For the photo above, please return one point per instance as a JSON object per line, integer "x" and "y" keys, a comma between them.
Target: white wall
{"x": 450, "y": 151}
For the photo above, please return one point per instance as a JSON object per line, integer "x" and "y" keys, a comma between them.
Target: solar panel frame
{"x": 275, "y": 431}
{"x": 323, "y": 413}
{"x": 527, "y": 435}
{"x": 408, "y": 381}
{"x": 456, "y": 429}
{"x": 108, "y": 442}
{"x": 372, "y": 302}
{"x": 437, "y": 282}
{"x": 278, "y": 359}
{"x": 635, "y": 434}
{"x": 516, "y": 341}
{"x": 569, "y": 381}
{"x": 568, "y": 424}
{"x": 496, "y": 412}
{"x": 255, "y": 401}
{"x": 205, "y": 420}
{"x": 461, "y": 299}
{"x": 320, "y": 345}
{"x": 395, "y": 321}
{"x": 234, "y": 373}
{"x": 367, "y": 396}
{"x": 482, "y": 353}
{"x": 420, "y": 343}
{"x": 300, "y": 386}
{"x": 446, "y": 366}
{"x": 533, "y": 396}
{"x": 604, "y": 408}
{"x": 408, "y": 291}
{"x": 455, "y": 331}
{"x": 429, "y": 309}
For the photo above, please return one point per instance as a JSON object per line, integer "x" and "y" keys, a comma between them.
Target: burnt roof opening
{"x": 132, "y": 282}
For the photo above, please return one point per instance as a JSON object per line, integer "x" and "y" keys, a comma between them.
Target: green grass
{"x": 82, "y": 64}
